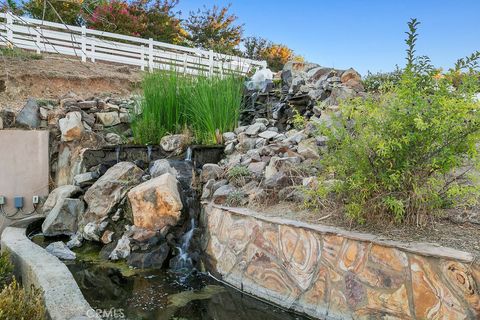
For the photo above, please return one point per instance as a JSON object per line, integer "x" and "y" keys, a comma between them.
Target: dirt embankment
{"x": 53, "y": 76}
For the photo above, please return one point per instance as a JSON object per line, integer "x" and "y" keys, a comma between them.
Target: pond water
{"x": 126, "y": 293}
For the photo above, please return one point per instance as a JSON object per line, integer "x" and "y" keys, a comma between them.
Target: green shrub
{"x": 382, "y": 81}
{"x": 405, "y": 154}
{"x": 6, "y": 269}
{"x": 19, "y": 54}
{"x": 20, "y": 304}
{"x": 15, "y": 302}
{"x": 238, "y": 175}
{"x": 209, "y": 106}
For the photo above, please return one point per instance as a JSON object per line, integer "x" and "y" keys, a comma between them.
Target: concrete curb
{"x": 34, "y": 266}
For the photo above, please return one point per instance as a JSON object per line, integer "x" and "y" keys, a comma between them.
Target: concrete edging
{"x": 62, "y": 297}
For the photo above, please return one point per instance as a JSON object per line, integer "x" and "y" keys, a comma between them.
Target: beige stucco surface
{"x": 24, "y": 168}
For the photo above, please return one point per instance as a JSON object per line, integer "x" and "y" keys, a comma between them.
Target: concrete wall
{"x": 24, "y": 167}
{"x": 331, "y": 273}
{"x": 34, "y": 266}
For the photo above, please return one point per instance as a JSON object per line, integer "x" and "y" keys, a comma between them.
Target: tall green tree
{"x": 163, "y": 23}
{"x": 214, "y": 28}
{"x": 62, "y": 11}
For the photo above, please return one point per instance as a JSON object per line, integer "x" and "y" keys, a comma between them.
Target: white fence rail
{"x": 89, "y": 44}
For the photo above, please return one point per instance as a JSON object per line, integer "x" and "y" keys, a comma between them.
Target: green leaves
{"x": 398, "y": 154}
{"x": 410, "y": 41}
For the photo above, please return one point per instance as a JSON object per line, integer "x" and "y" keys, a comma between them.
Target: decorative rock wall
{"x": 330, "y": 273}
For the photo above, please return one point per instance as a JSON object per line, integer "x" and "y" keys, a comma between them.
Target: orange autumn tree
{"x": 277, "y": 55}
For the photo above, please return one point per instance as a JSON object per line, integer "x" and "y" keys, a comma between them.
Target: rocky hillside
{"x": 53, "y": 76}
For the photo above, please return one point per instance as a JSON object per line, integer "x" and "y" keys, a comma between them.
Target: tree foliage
{"x": 61, "y": 11}
{"x": 118, "y": 16}
{"x": 163, "y": 23}
{"x": 259, "y": 48}
{"x": 406, "y": 153}
{"x": 214, "y": 28}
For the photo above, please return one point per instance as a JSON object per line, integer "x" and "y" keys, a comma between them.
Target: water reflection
{"x": 160, "y": 295}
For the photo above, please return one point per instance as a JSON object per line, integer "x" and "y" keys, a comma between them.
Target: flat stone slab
{"x": 62, "y": 296}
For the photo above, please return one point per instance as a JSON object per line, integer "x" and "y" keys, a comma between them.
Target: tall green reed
{"x": 213, "y": 106}
{"x": 207, "y": 105}
{"x": 162, "y": 107}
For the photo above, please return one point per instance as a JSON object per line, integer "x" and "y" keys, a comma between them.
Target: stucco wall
{"x": 24, "y": 168}
{"x": 328, "y": 272}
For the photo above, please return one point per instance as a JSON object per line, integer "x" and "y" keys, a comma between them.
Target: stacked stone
{"x": 264, "y": 164}
{"x": 306, "y": 88}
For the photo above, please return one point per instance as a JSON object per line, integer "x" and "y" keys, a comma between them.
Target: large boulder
{"x": 308, "y": 149}
{"x": 221, "y": 194}
{"x": 160, "y": 167}
{"x": 211, "y": 171}
{"x": 108, "y": 119}
{"x": 71, "y": 126}
{"x": 174, "y": 142}
{"x": 60, "y": 250}
{"x": 104, "y": 195}
{"x": 152, "y": 258}
{"x": 156, "y": 203}
{"x": 62, "y": 220}
{"x": 29, "y": 116}
{"x": 122, "y": 249}
{"x": 57, "y": 197}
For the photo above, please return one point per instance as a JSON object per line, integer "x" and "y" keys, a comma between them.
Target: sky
{"x": 363, "y": 34}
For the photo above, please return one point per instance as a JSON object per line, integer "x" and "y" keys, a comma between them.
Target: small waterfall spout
{"x": 184, "y": 261}
{"x": 188, "y": 154}
{"x": 117, "y": 153}
{"x": 149, "y": 153}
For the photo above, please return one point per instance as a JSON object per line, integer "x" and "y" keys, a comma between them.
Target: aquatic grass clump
{"x": 213, "y": 106}
{"x": 162, "y": 107}
{"x": 173, "y": 102}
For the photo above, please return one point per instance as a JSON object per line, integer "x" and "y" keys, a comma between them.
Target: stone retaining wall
{"x": 62, "y": 296}
{"x": 327, "y": 272}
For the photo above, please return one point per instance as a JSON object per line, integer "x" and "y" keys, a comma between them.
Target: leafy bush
{"x": 6, "y": 269}
{"x": 19, "y": 54}
{"x": 238, "y": 175}
{"x": 276, "y": 55}
{"x": 21, "y": 304}
{"x": 382, "y": 81}
{"x": 406, "y": 153}
{"x": 209, "y": 106}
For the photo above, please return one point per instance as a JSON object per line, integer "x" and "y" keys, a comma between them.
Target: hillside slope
{"x": 53, "y": 76}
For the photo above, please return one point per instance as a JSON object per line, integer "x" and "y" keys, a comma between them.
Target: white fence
{"x": 89, "y": 44}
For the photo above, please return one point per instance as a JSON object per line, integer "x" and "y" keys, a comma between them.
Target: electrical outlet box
{"x": 35, "y": 200}
{"x": 18, "y": 201}
{"x": 2, "y": 200}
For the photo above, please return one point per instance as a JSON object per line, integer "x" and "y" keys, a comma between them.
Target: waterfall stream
{"x": 149, "y": 153}
{"x": 117, "y": 153}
